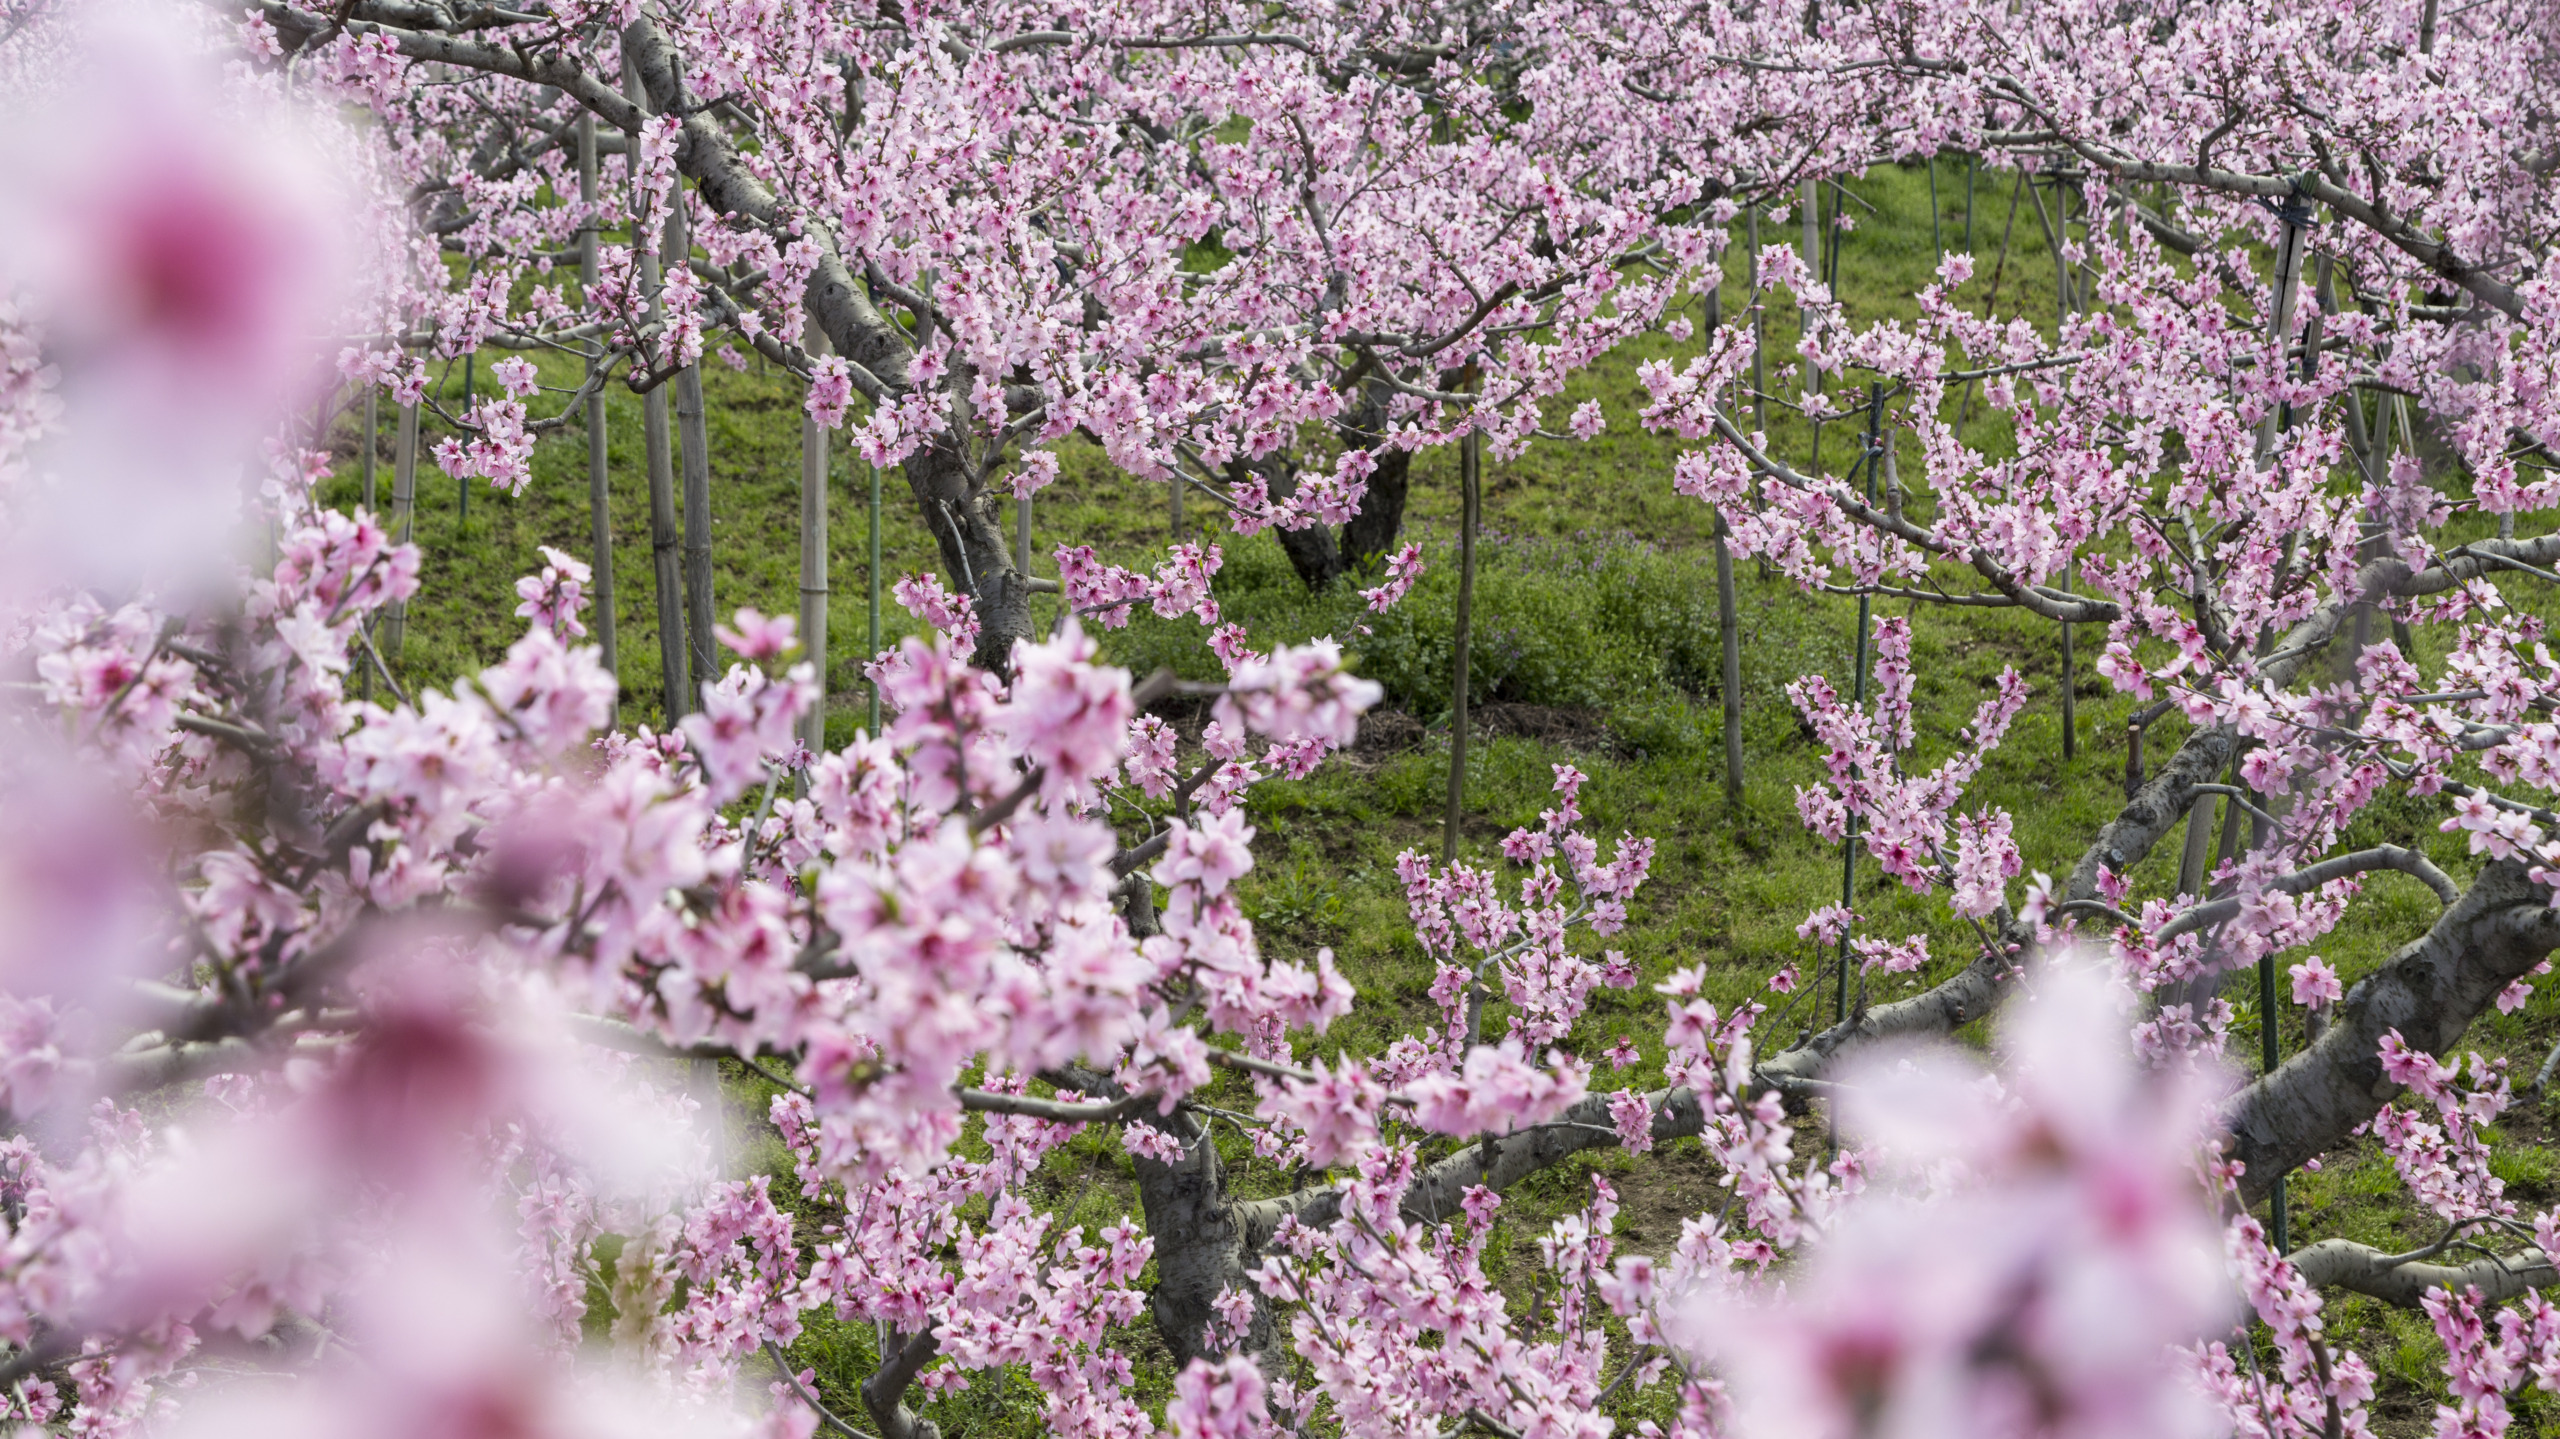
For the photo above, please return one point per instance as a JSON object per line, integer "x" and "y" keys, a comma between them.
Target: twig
{"x": 826, "y": 1415}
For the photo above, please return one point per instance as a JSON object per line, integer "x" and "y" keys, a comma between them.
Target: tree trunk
{"x": 1372, "y": 533}
{"x": 1206, "y": 1243}
{"x": 968, "y": 527}
{"x": 1318, "y": 555}
{"x": 1312, "y": 551}
{"x": 1203, "y": 1244}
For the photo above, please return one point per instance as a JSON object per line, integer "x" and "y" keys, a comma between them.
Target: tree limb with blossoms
{"x": 2311, "y": 271}
{"x": 1189, "y": 237}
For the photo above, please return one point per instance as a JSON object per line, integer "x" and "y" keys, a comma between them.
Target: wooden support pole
{"x": 1812, "y": 248}
{"x": 1858, "y": 700}
{"x": 675, "y": 686}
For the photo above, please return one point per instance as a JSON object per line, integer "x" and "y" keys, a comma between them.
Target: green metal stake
{"x": 875, "y": 594}
{"x": 461, "y": 486}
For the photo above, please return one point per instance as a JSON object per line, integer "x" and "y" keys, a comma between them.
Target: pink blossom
{"x": 1338, "y": 1111}
{"x": 1403, "y": 568}
{"x": 756, "y": 638}
{"x": 555, "y": 597}
{"x": 1494, "y": 1091}
{"x": 830, "y": 390}
{"x": 2315, "y": 984}
{"x": 1066, "y": 714}
{"x": 1222, "y": 1400}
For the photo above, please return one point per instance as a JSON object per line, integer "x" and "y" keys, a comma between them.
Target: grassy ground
{"x": 1596, "y": 645}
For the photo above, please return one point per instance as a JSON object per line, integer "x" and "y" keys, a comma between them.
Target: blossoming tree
{"x": 343, "y": 1040}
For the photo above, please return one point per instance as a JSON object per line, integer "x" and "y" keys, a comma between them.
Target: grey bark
{"x": 1373, "y": 530}
{"x": 1312, "y": 550}
{"x": 1206, "y": 1243}
{"x": 1321, "y": 556}
{"x": 2431, "y": 991}
{"x": 884, "y": 1394}
{"x": 1504, "y": 1161}
{"x": 2345, "y": 1264}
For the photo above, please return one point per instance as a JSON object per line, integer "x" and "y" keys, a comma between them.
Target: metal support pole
{"x": 875, "y": 592}
{"x": 813, "y": 556}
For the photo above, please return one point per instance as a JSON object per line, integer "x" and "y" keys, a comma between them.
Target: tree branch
{"x": 2430, "y": 992}
{"x": 2398, "y": 1279}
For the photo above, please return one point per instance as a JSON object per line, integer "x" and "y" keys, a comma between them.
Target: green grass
{"x": 1596, "y": 626}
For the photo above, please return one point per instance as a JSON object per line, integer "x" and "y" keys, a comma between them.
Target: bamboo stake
{"x": 1812, "y": 247}
{"x": 2053, "y": 238}
{"x": 813, "y": 556}
{"x": 2070, "y": 683}
{"x": 1858, "y": 700}
{"x": 1728, "y": 616}
{"x": 1759, "y": 336}
{"x": 1470, "y": 503}
{"x": 675, "y": 688}
{"x": 599, "y": 475}
{"x": 2297, "y": 218}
